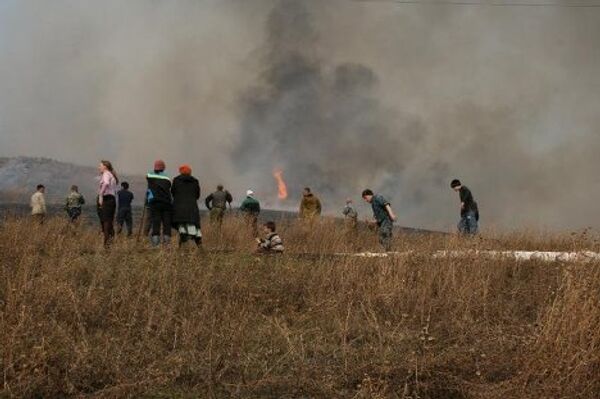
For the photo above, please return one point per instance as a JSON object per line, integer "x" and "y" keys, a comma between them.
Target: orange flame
{"x": 282, "y": 192}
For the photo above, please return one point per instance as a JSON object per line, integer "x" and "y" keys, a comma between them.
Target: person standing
{"x": 350, "y": 216}
{"x": 73, "y": 204}
{"x": 469, "y": 210}
{"x": 250, "y": 208}
{"x": 310, "y": 206}
{"x": 186, "y": 215}
{"x": 107, "y": 201}
{"x": 124, "y": 212}
{"x": 38, "y": 204}
{"x": 384, "y": 217}
{"x": 160, "y": 203}
{"x": 217, "y": 204}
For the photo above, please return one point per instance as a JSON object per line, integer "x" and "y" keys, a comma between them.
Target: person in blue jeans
{"x": 384, "y": 217}
{"x": 469, "y": 210}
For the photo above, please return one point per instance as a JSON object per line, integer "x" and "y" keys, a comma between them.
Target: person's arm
{"x": 390, "y": 212}
{"x": 104, "y": 185}
{"x": 244, "y": 205}
{"x": 81, "y": 200}
{"x": 318, "y": 206}
{"x": 207, "y": 202}
{"x": 301, "y": 210}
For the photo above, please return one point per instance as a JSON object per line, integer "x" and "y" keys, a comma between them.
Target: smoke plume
{"x": 339, "y": 95}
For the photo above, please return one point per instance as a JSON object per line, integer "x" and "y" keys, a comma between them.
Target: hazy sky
{"x": 340, "y": 94}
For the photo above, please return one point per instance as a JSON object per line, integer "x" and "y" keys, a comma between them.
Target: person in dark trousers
{"x": 217, "y": 204}
{"x": 186, "y": 215}
{"x": 469, "y": 210}
{"x": 160, "y": 203}
{"x": 384, "y": 217}
{"x": 250, "y": 208}
{"x": 73, "y": 204}
{"x": 124, "y": 212}
{"x": 107, "y": 202}
{"x": 272, "y": 243}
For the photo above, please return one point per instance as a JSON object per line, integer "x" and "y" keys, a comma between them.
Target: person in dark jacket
{"x": 160, "y": 203}
{"x": 217, "y": 204}
{"x": 250, "y": 208}
{"x": 186, "y": 216}
{"x": 384, "y": 217}
{"x": 469, "y": 211}
{"x": 124, "y": 213}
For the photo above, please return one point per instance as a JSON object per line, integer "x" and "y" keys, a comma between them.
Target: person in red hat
{"x": 160, "y": 203}
{"x": 186, "y": 215}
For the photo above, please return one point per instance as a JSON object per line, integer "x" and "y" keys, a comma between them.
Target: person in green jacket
{"x": 250, "y": 208}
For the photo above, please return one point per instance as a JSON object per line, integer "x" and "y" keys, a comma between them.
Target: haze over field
{"x": 338, "y": 94}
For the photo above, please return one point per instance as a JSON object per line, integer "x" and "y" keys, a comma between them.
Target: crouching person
{"x": 272, "y": 243}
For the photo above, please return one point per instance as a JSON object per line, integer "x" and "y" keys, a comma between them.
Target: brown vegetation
{"x": 76, "y": 320}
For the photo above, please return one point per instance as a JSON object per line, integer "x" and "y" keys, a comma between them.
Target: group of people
{"x": 173, "y": 204}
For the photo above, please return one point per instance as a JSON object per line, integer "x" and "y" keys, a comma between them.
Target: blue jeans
{"x": 468, "y": 223}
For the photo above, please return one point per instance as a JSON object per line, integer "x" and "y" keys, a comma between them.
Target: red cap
{"x": 185, "y": 170}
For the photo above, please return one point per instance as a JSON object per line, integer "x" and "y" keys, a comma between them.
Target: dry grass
{"x": 79, "y": 321}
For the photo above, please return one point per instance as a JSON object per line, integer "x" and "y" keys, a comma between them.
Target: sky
{"x": 341, "y": 95}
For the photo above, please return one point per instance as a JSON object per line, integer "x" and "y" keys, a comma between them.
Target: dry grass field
{"x": 79, "y": 321}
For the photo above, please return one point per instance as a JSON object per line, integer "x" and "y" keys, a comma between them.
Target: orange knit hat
{"x": 185, "y": 170}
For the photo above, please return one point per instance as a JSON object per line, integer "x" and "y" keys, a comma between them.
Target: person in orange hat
{"x": 186, "y": 215}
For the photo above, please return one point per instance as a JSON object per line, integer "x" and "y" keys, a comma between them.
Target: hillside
{"x": 19, "y": 176}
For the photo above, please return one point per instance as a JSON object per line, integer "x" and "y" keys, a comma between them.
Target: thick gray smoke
{"x": 339, "y": 94}
{"x": 425, "y": 107}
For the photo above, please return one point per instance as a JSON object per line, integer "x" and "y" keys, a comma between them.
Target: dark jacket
{"x": 186, "y": 192}
{"x": 159, "y": 189}
{"x": 250, "y": 206}
{"x": 466, "y": 197}
{"x": 218, "y": 199}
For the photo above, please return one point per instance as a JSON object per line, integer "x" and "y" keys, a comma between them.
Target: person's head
{"x": 306, "y": 191}
{"x": 220, "y": 187}
{"x": 106, "y": 166}
{"x": 185, "y": 170}
{"x": 159, "y": 166}
{"x": 250, "y": 193}
{"x": 269, "y": 227}
{"x": 348, "y": 201}
{"x": 456, "y": 184}
{"x": 125, "y": 185}
{"x": 74, "y": 188}
{"x": 368, "y": 195}
{"x": 41, "y": 188}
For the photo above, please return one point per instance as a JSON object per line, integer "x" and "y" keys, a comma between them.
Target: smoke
{"x": 340, "y": 95}
{"x": 412, "y": 98}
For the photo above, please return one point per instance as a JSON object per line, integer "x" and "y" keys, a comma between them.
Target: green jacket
{"x": 250, "y": 205}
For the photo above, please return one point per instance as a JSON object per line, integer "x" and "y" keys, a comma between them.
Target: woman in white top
{"x": 107, "y": 202}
